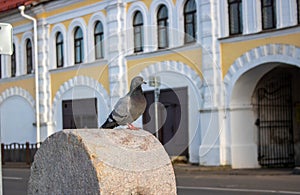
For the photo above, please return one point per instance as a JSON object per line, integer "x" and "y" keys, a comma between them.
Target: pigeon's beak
{"x": 144, "y": 82}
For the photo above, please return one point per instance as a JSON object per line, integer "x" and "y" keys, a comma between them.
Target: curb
{"x": 181, "y": 169}
{"x": 15, "y": 165}
{"x": 296, "y": 171}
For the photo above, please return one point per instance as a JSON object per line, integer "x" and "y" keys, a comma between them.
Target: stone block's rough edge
{"x": 112, "y": 162}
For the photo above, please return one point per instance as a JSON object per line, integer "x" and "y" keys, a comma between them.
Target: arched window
{"x": 78, "y": 45}
{"x": 29, "y": 57}
{"x": 98, "y": 38}
{"x": 235, "y": 17}
{"x": 13, "y": 62}
{"x": 162, "y": 27}
{"x": 59, "y": 44}
{"x": 138, "y": 32}
{"x": 268, "y": 14}
{"x": 190, "y": 21}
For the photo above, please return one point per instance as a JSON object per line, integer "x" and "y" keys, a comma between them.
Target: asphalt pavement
{"x": 194, "y": 180}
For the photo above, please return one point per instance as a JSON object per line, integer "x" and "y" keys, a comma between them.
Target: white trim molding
{"x": 137, "y": 6}
{"x": 99, "y": 16}
{"x": 80, "y": 81}
{"x": 17, "y": 91}
{"x": 283, "y": 53}
{"x": 70, "y": 39}
{"x": 52, "y": 44}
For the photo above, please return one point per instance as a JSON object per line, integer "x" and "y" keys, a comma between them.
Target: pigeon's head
{"x": 136, "y": 82}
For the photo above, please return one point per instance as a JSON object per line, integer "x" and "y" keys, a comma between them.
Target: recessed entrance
{"x": 172, "y": 118}
{"x": 81, "y": 113}
{"x": 265, "y": 117}
{"x": 274, "y": 106}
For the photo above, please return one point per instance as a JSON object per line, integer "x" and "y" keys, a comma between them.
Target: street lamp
{"x": 154, "y": 81}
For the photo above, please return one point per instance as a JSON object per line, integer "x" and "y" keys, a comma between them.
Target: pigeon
{"x": 128, "y": 108}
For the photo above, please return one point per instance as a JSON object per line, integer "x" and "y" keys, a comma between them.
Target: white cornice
{"x": 82, "y": 11}
{"x": 262, "y": 35}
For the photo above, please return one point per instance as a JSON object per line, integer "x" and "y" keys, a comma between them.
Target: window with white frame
{"x": 268, "y": 9}
{"x": 59, "y": 45}
{"x": 0, "y": 66}
{"x": 190, "y": 21}
{"x": 78, "y": 46}
{"x": 13, "y": 62}
{"x": 162, "y": 27}
{"x": 138, "y": 32}
{"x": 298, "y": 11}
{"x": 80, "y": 113}
{"x": 235, "y": 17}
{"x": 98, "y": 40}
{"x": 29, "y": 57}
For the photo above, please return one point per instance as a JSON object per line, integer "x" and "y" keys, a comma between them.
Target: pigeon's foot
{"x": 132, "y": 127}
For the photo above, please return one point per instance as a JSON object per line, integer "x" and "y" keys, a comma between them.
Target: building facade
{"x": 228, "y": 74}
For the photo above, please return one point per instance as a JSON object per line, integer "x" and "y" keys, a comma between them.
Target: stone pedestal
{"x": 101, "y": 161}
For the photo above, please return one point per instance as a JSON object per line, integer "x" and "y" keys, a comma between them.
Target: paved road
{"x": 236, "y": 184}
{"x": 194, "y": 183}
{"x": 233, "y": 183}
{"x": 15, "y": 181}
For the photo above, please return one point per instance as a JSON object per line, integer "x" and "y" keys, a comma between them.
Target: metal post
{"x": 1, "y": 182}
{"x": 37, "y": 97}
{"x": 156, "y": 100}
{"x": 155, "y": 82}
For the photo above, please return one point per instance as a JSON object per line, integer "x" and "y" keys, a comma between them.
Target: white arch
{"x": 281, "y": 53}
{"x": 26, "y": 35}
{"x": 17, "y": 91}
{"x": 240, "y": 82}
{"x": 175, "y": 74}
{"x": 153, "y": 20}
{"x": 137, "y": 6}
{"x": 70, "y": 39}
{"x": 57, "y": 28}
{"x": 80, "y": 82}
{"x": 17, "y": 116}
{"x": 173, "y": 66}
{"x": 99, "y": 16}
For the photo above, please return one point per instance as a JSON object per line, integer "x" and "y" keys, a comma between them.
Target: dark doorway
{"x": 80, "y": 113}
{"x": 172, "y": 118}
{"x": 275, "y": 119}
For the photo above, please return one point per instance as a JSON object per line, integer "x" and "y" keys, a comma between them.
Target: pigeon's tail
{"x": 110, "y": 123}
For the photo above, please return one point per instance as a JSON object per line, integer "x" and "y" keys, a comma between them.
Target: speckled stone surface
{"x": 102, "y": 161}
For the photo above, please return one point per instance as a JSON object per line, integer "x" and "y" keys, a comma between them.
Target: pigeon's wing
{"x": 121, "y": 112}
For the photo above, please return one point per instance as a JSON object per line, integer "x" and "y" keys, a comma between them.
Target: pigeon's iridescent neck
{"x": 137, "y": 91}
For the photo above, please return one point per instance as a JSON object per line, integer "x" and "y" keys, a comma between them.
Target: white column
{"x": 286, "y": 11}
{"x": 214, "y": 148}
{"x": 46, "y": 121}
{"x": 116, "y": 14}
{"x": 251, "y": 17}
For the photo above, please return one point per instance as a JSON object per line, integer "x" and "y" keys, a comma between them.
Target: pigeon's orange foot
{"x": 131, "y": 127}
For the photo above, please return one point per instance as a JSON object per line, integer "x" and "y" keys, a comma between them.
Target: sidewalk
{"x": 186, "y": 168}
{"x": 182, "y": 169}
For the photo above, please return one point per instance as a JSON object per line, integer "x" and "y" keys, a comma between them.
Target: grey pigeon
{"x": 128, "y": 108}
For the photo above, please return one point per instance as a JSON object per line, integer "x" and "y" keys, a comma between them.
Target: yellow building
{"x": 228, "y": 72}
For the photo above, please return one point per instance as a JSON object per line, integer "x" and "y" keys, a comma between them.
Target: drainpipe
{"x": 37, "y": 97}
